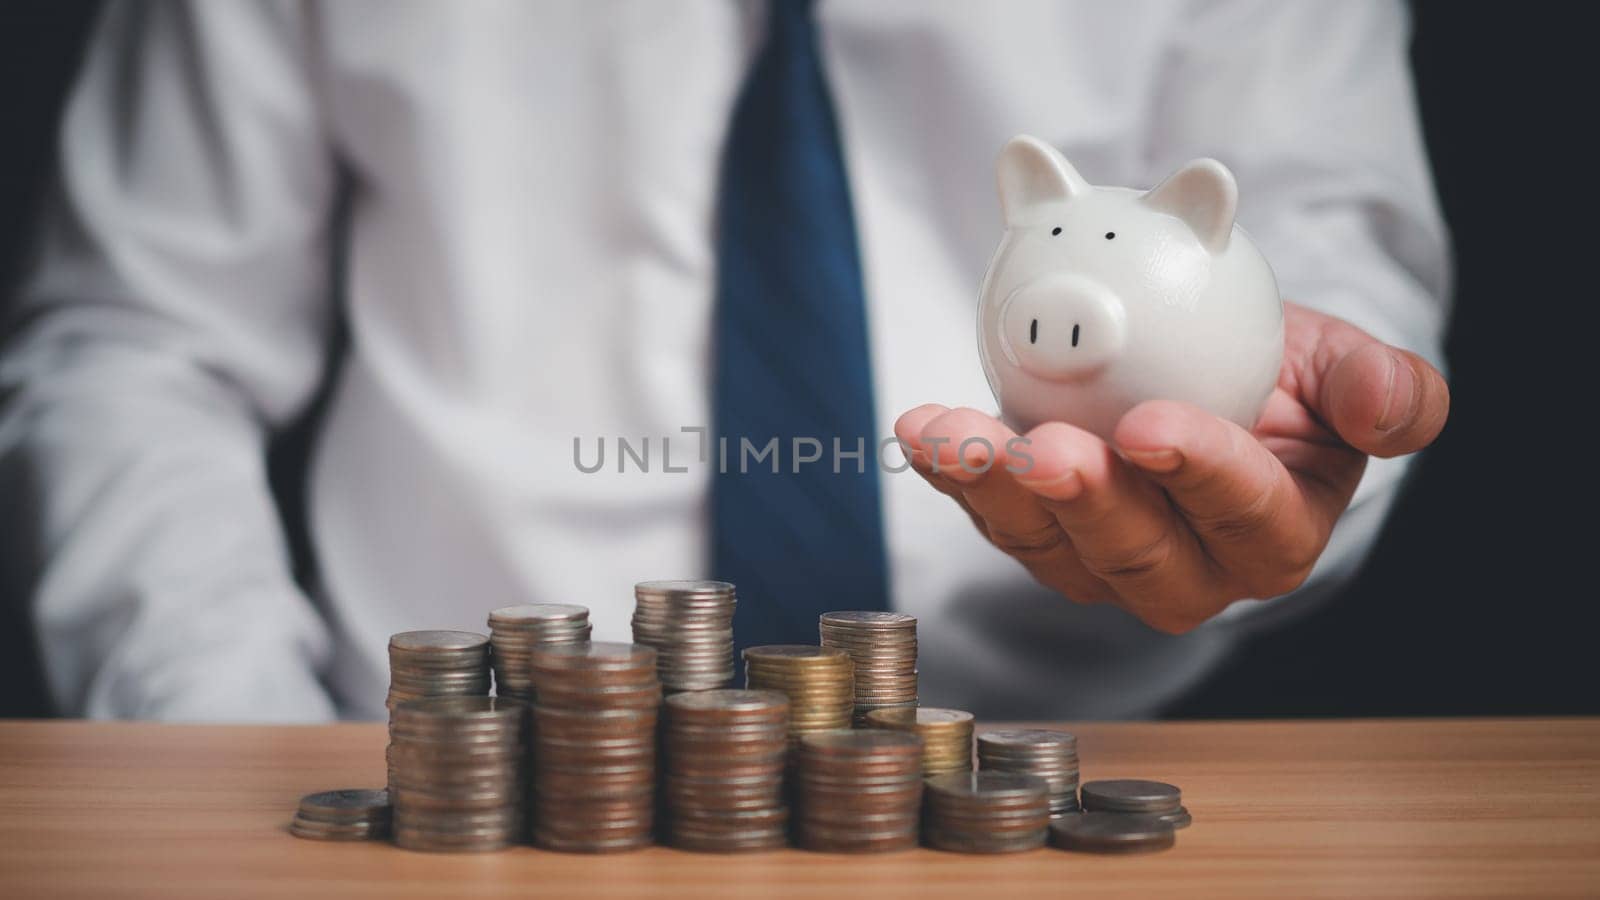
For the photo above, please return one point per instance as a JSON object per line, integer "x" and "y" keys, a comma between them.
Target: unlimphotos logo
{"x": 744, "y": 455}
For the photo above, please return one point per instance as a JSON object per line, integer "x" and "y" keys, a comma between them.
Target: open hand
{"x": 1189, "y": 512}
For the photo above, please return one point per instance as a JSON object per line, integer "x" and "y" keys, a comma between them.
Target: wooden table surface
{"x": 1282, "y": 809}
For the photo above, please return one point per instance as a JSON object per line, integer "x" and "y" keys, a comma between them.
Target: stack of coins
{"x": 1112, "y": 832}
{"x": 817, "y": 681}
{"x": 690, "y": 625}
{"x": 884, "y": 648}
{"x": 513, "y": 630}
{"x": 1137, "y": 796}
{"x": 345, "y": 815}
{"x": 594, "y": 745}
{"x": 858, "y": 791}
{"x": 946, "y": 735}
{"x": 1051, "y": 755}
{"x": 987, "y": 812}
{"x": 437, "y": 664}
{"x": 725, "y": 753}
{"x": 456, "y": 772}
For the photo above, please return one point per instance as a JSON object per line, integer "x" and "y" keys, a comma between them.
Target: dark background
{"x": 1476, "y": 600}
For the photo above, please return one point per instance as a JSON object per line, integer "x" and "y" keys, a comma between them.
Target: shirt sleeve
{"x": 176, "y": 312}
{"x": 1311, "y": 105}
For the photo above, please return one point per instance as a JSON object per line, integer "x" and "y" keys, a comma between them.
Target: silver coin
{"x": 700, "y": 841}
{"x": 540, "y": 613}
{"x": 855, "y": 742}
{"x": 786, "y": 653}
{"x": 311, "y": 829}
{"x": 551, "y": 840}
{"x": 980, "y": 842}
{"x": 833, "y": 839}
{"x": 424, "y": 641}
{"x": 463, "y": 710}
{"x": 729, "y": 700}
{"x": 1178, "y": 818}
{"x": 691, "y": 587}
{"x": 594, "y": 655}
{"x": 1029, "y": 739}
{"x": 1130, "y": 795}
{"x": 868, "y": 619}
{"x": 1109, "y": 832}
{"x": 931, "y": 718}
{"x": 346, "y": 803}
{"x": 989, "y": 786}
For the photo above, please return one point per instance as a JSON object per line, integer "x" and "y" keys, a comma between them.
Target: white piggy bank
{"x": 1101, "y": 298}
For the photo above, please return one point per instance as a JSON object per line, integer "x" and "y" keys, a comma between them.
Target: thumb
{"x": 1383, "y": 400}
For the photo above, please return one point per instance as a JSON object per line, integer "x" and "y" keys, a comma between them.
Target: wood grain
{"x": 1282, "y": 809}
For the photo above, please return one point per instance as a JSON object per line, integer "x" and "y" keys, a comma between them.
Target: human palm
{"x": 1184, "y": 513}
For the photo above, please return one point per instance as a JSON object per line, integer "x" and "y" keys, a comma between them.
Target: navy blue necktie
{"x": 791, "y": 357}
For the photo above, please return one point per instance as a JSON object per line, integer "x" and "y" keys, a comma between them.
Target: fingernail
{"x": 1167, "y": 459}
{"x": 1402, "y": 393}
{"x": 1065, "y": 486}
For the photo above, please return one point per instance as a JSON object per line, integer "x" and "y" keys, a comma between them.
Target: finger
{"x": 1263, "y": 527}
{"x": 1309, "y": 449}
{"x": 1122, "y": 527}
{"x": 908, "y": 429}
{"x": 1383, "y": 400}
{"x": 963, "y": 443}
{"x": 970, "y": 447}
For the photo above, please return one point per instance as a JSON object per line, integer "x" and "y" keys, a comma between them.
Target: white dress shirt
{"x": 527, "y": 192}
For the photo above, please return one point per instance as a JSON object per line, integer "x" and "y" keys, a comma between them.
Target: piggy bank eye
{"x": 1056, "y": 230}
{"x": 1110, "y": 235}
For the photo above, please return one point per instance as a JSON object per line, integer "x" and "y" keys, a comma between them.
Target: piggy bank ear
{"x": 1202, "y": 194}
{"x": 1032, "y": 175}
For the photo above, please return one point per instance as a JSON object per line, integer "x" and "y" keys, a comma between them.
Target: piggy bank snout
{"x": 1062, "y": 327}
